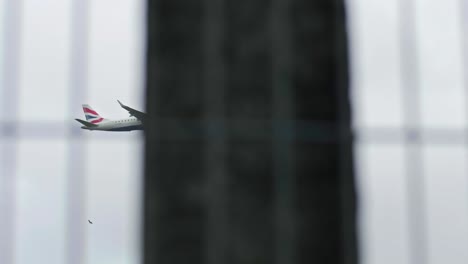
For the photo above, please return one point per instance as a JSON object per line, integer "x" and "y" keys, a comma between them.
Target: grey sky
{"x": 44, "y": 62}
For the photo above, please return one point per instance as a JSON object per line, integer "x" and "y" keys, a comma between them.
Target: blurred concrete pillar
{"x": 248, "y": 152}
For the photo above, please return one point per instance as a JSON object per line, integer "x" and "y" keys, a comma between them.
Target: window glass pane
{"x": 383, "y": 203}
{"x": 447, "y": 196}
{"x": 116, "y": 55}
{"x": 45, "y": 44}
{"x": 40, "y": 202}
{"x": 441, "y": 59}
{"x": 375, "y": 62}
{"x": 116, "y": 72}
{"x": 113, "y": 200}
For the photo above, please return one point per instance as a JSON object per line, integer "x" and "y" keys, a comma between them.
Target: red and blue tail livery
{"x": 94, "y": 121}
{"x": 91, "y": 115}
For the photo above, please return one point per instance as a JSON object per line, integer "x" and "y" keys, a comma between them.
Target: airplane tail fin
{"x": 91, "y": 115}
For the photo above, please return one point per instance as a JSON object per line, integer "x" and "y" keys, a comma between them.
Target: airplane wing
{"x": 133, "y": 112}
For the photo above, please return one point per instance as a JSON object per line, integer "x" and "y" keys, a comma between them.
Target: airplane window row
{"x": 122, "y": 121}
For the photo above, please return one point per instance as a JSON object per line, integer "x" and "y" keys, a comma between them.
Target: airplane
{"x": 96, "y": 122}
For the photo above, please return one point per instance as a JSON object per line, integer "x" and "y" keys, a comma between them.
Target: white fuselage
{"x": 118, "y": 125}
